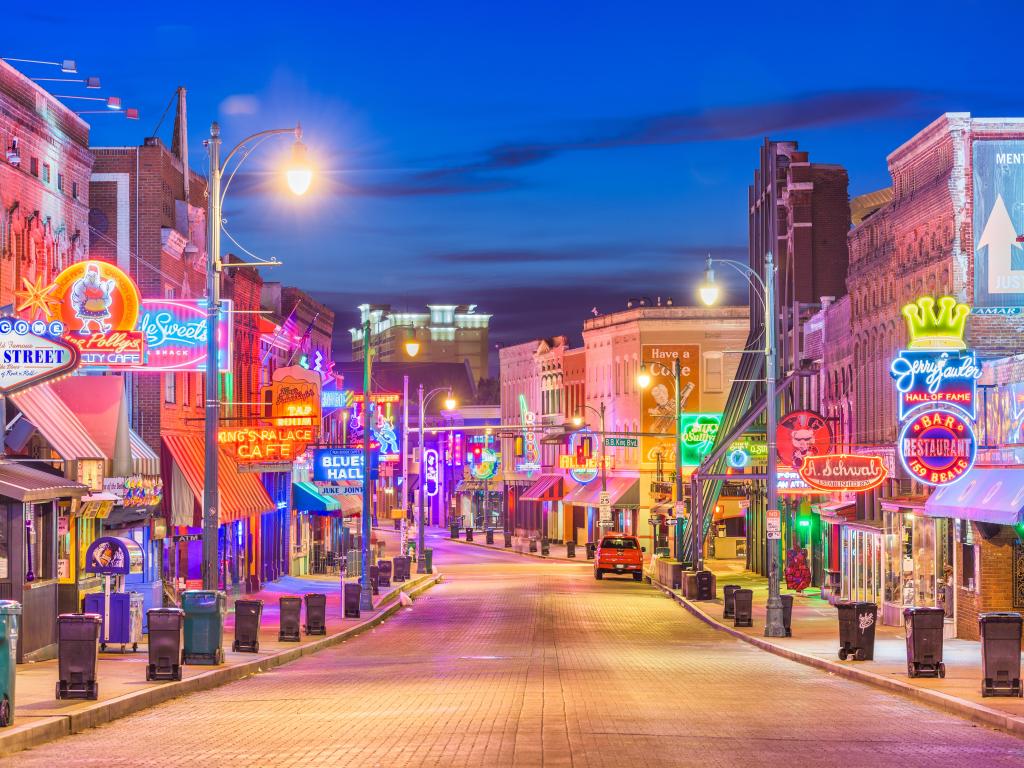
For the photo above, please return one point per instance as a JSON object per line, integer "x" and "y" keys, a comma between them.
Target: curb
{"x": 28, "y": 734}
{"x": 511, "y": 551}
{"x": 943, "y": 701}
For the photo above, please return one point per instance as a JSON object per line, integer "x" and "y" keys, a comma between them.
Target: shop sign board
{"x": 800, "y": 434}
{"x": 697, "y": 432}
{"x": 293, "y": 397}
{"x": 332, "y": 465}
{"x": 657, "y": 406}
{"x": 265, "y": 444}
{"x": 998, "y": 191}
{"x": 773, "y": 525}
{"x": 587, "y": 470}
{"x": 942, "y": 378}
{"x": 135, "y": 490}
{"x": 488, "y": 465}
{"x": 937, "y": 447}
{"x": 335, "y": 398}
{"x": 385, "y": 437}
{"x": 33, "y": 352}
{"x": 114, "y": 556}
{"x": 175, "y": 334}
{"x": 621, "y": 442}
{"x": 431, "y": 473}
{"x": 843, "y": 472}
{"x": 531, "y": 453}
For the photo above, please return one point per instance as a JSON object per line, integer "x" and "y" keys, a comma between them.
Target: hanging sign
{"x": 431, "y": 474}
{"x": 175, "y": 334}
{"x": 843, "y": 472}
{"x": 293, "y": 398}
{"x": 332, "y": 465}
{"x": 937, "y": 447}
{"x": 930, "y": 329}
{"x": 114, "y": 556}
{"x": 697, "y": 432}
{"x": 800, "y": 434}
{"x": 531, "y": 454}
{"x": 583, "y": 469}
{"x": 31, "y": 353}
{"x": 264, "y": 444}
{"x": 946, "y": 378}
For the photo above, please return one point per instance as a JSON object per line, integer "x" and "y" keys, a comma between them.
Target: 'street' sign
{"x": 31, "y": 353}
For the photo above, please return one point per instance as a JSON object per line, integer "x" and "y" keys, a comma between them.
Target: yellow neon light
{"x": 929, "y": 329}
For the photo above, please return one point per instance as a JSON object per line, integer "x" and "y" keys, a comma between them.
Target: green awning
{"x": 307, "y": 498}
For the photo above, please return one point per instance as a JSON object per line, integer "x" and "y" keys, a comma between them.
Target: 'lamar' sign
{"x": 31, "y": 353}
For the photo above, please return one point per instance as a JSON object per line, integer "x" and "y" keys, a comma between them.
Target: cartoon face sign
{"x": 800, "y": 434}
{"x": 96, "y": 297}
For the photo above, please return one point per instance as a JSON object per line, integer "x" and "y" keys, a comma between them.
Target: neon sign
{"x": 265, "y": 444}
{"x": 843, "y": 472}
{"x": 337, "y": 464}
{"x": 175, "y": 333}
{"x": 928, "y": 329}
{"x": 942, "y": 378}
{"x": 431, "y": 474}
{"x": 937, "y": 447}
{"x": 335, "y": 398}
{"x": 591, "y": 466}
{"x": 487, "y": 466}
{"x": 531, "y": 454}
{"x": 31, "y": 353}
{"x": 697, "y": 431}
{"x": 294, "y": 397}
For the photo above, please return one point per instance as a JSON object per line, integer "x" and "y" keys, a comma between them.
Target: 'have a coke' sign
{"x": 31, "y": 353}
{"x": 843, "y": 472}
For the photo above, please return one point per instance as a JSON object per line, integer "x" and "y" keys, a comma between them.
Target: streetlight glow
{"x": 412, "y": 347}
{"x": 450, "y": 404}
{"x": 577, "y": 420}
{"x": 709, "y": 288}
{"x": 299, "y": 174}
{"x": 643, "y": 379}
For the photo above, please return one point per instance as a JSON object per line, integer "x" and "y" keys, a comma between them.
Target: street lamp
{"x": 577, "y": 419}
{"x": 214, "y": 217}
{"x": 449, "y": 404}
{"x": 709, "y": 295}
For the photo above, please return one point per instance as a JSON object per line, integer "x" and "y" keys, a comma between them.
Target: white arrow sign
{"x": 1000, "y": 237}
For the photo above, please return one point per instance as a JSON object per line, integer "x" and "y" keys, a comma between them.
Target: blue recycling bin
{"x": 204, "y": 626}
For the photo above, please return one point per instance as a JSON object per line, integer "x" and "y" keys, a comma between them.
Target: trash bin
{"x": 384, "y": 573}
{"x": 743, "y": 608}
{"x": 204, "y": 626}
{"x": 455, "y": 530}
{"x": 508, "y": 540}
{"x": 374, "y": 580}
{"x": 591, "y": 550}
{"x": 398, "y": 569}
{"x": 428, "y": 559}
{"x": 352, "y": 593}
{"x": 469, "y": 534}
{"x": 316, "y": 613}
{"x": 924, "y": 641}
{"x": 728, "y": 606}
{"x": 787, "y": 614}
{"x": 545, "y": 546}
{"x": 78, "y": 648}
{"x": 533, "y": 545}
{"x": 857, "y": 629}
{"x": 165, "y": 625}
{"x": 247, "y": 625}
{"x": 10, "y": 610}
{"x": 570, "y": 549}
{"x": 290, "y": 613}
{"x": 1000, "y": 654}
{"x": 489, "y": 536}
{"x": 705, "y": 585}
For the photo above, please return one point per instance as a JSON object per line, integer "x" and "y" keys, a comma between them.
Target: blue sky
{"x": 538, "y": 159}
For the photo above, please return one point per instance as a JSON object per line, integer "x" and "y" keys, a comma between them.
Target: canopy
{"x": 25, "y": 484}
{"x": 622, "y": 491}
{"x": 306, "y": 497}
{"x": 984, "y": 495}
{"x": 547, "y": 488}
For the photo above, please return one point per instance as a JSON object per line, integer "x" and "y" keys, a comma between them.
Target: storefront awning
{"x": 58, "y": 423}
{"x": 144, "y": 459}
{"x": 241, "y": 493}
{"x": 548, "y": 488}
{"x": 984, "y": 495}
{"x": 26, "y": 484}
{"x": 836, "y": 512}
{"x": 351, "y": 505}
{"x": 306, "y": 497}
{"x": 624, "y": 492}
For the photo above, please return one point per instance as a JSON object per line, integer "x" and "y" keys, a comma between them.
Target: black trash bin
{"x": 508, "y": 540}
{"x": 533, "y": 545}
{"x": 743, "y": 608}
{"x": 545, "y": 546}
{"x": 787, "y": 614}
{"x": 316, "y": 613}
{"x": 857, "y": 629}
{"x": 489, "y": 536}
{"x": 1000, "y": 654}
{"x": 728, "y": 606}
{"x": 165, "y": 627}
{"x": 705, "y": 581}
{"x": 384, "y": 573}
{"x": 469, "y": 534}
{"x": 353, "y": 590}
{"x": 591, "y": 550}
{"x": 374, "y": 580}
{"x": 924, "y": 641}
{"x": 247, "y": 625}
{"x": 291, "y": 617}
{"x": 78, "y": 648}
{"x": 455, "y": 530}
{"x": 570, "y": 549}
{"x": 402, "y": 568}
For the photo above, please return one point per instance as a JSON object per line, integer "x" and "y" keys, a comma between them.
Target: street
{"x": 515, "y": 661}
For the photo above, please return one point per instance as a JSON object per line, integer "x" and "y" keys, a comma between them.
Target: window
{"x": 42, "y": 544}
{"x": 5, "y": 553}
{"x": 60, "y": 181}
{"x": 968, "y": 558}
{"x": 33, "y": 166}
{"x": 169, "y": 387}
{"x": 714, "y": 372}
{"x": 46, "y": 173}
{"x": 74, "y": 189}
{"x": 619, "y": 542}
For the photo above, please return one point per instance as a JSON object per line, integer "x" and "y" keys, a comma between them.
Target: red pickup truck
{"x": 619, "y": 553}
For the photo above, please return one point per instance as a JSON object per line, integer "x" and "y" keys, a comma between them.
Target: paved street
{"x": 515, "y": 661}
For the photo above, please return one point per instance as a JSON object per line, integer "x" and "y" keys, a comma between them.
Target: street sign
{"x": 680, "y": 509}
{"x": 773, "y": 525}
{"x": 605, "y": 503}
{"x": 621, "y": 442}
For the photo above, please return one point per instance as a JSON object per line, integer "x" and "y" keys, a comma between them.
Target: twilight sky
{"x": 538, "y": 158}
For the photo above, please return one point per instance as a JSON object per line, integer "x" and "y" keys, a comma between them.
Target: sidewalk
{"x": 520, "y": 546}
{"x": 40, "y": 717}
{"x": 815, "y": 642}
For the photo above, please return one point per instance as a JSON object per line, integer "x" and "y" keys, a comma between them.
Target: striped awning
{"x": 547, "y": 488}
{"x": 623, "y": 492}
{"x": 351, "y": 504}
{"x": 241, "y": 493}
{"x": 144, "y": 459}
{"x": 306, "y": 497}
{"x": 58, "y": 423}
{"x": 29, "y": 485}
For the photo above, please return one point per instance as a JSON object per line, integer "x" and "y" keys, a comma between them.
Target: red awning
{"x": 241, "y": 493}
{"x": 547, "y": 488}
{"x": 58, "y": 423}
{"x": 623, "y": 492}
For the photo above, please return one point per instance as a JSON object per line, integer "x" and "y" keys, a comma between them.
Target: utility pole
{"x": 365, "y": 594}
{"x": 405, "y": 458}
{"x": 773, "y": 621}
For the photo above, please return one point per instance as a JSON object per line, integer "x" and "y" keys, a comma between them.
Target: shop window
{"x": 33, "y": 166}
{"x": 46, "y": 173}
{"x": 41, "y": 541}
{"x": 714, "y": 372}
{"x": 169, "y": 387}
{"x": 968, "y": 561}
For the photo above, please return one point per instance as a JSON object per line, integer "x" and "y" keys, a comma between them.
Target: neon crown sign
{"x": 929, "y": 329}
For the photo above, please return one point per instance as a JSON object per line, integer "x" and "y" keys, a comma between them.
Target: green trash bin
{"x": 10, "y": 610}
{"x": 204, "y": 626}
{"x": 428, "y": 558}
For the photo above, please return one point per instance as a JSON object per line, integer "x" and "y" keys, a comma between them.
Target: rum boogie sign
{"x": 843, "y": 472}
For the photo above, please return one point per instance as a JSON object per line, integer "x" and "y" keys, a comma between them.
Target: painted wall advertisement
{"x": 658, "y": 410}
{"x": 998, "y": 219}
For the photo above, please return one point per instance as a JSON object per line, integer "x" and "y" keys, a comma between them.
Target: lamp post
{"x": 644, "y": 380}
{"x": 299, "y": 177}
{"x": 578, "y": 421}
{"x": 709, "y": 295}
{"x": 421, "y": 538}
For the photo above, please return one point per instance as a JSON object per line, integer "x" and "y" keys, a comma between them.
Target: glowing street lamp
{"x": 449, "y": 404}
{"x": 709, "y": 288}
{"x": 299, "y": 173}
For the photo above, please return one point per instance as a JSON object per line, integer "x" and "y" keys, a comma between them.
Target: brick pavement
{"x": 515, "y": 661}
